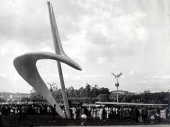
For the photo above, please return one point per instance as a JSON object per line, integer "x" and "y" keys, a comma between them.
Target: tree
{"x": 88, "y": 90}
{"x": 2, "y": 99}
{"x": 103, "y": 97}
{"x": 104, "y": 90}
{"x": 94, "y": 91}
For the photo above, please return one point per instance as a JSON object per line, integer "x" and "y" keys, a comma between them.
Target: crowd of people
{"x": 79, "y": 112}
{"x": 21, "y": 110}
{"x": 136, "y": 114}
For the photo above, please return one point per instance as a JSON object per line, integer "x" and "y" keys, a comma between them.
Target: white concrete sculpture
{"x": 26, "y": 67}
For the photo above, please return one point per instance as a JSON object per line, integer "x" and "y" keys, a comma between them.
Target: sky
{"x": 128, "y": 36}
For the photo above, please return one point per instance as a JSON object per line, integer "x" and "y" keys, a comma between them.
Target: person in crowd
{"x": 104, "y": 114}
{"x": 111, "y": 114}
{"x": 74, "y": 111}
{"x": 54, "y": 111}
{"x": 135, "y": 114}
{"x": 157, "y": 115}
{"x": 78, "y": 112}
{"x": 107, "y": 112}
{"x": 83, "y": 116}
{"x": 144, "y": 115}
{"x": 101, "y": 113}
{"x": 152, "y": 117}
{"x": 1, "y": 117}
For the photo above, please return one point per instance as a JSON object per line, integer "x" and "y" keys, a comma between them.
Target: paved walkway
{"x": 161, "y": 125}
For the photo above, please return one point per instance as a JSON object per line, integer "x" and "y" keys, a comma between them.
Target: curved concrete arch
{"x": 26, "y": 67}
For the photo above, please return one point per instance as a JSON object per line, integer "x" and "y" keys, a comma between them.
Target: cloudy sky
{"x": 128, "y": 36}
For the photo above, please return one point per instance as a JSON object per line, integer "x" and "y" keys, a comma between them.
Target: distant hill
{"x": 13, "y": 96}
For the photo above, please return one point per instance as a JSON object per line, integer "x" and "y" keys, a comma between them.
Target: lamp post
{"x": 116, "y": 76}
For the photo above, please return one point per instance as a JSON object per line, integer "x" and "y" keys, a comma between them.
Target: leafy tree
{"x": 2, "y": 99}
{"x": 103, "y": 97}
{"x": 88, "y": 90}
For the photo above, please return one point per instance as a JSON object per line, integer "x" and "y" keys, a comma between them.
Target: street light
{"x": 116, "y": 76}
{"x": 51, "y": 86}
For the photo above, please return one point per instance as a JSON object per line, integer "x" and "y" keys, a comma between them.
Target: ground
{"x": 118, "y": 126}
